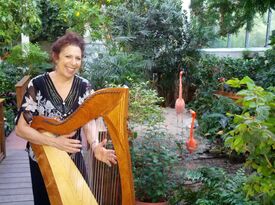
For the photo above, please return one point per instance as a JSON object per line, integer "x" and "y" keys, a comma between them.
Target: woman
{"x": 58, "y": 94}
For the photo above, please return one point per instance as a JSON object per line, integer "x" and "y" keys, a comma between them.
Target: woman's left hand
{"x": 105, "y": 155}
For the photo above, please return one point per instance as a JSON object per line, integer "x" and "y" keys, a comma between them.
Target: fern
{"x": 217, "y": 187}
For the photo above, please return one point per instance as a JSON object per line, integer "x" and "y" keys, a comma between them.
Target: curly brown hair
{"x": 70, "y": 38}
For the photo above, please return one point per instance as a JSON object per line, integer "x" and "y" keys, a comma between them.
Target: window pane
{"x": 258, "y": 33}
{"x": 256, "y": 38}
{"x": 272, "y": 27}
{"x": 238, "y": 40}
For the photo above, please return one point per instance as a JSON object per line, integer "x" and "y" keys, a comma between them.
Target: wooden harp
{"x": 65, "y": 185}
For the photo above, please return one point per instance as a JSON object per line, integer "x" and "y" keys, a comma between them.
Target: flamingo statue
{"x": 191, "y": 144}
{"x": 180, "y": 104}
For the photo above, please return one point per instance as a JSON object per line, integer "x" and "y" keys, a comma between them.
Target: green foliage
{"x": 18, "y": 17}
{"x": 122, "y": 68}
{"x": 266, "y": 75}
{"x": 212, "y": 113}
{"x": 10, "y": 116}
{"x": 214, "y": 122}
{"x": 254, "y": 134}
{"x": 51, "y": 26}
{"x": 153, "y": 160}
{"x": 160, "y": 31}
{"x": 115, "y": 68}
{"x": 29, "y": 57}
{"x": 144, "y": 109}
{"x": 9, "y": 76}
{"x": 46, "y": 20}
{"x": 210, "y": 68}
{"x": 272, "y": 39}
{"x": 144, "y": 105}
{"x": 81, "y": 16}
{"x": 214, "y": 187}
{"x": 230, "y": 16}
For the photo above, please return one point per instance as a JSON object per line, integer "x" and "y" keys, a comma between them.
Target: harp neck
{"x": 112, "y": 105}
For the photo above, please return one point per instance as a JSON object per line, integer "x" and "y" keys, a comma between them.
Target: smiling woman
{"x": 57, "y": 95}
{"x": 67, "y": 65}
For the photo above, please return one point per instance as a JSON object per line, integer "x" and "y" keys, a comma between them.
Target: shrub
{"x": 215, "y": 186}
{"x": 254, "y": 135}
{"x": 153, "y": 159}
{"x": 30, "y": 58}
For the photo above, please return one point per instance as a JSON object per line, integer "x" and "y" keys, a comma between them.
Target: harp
{"x": 64, "y": 183}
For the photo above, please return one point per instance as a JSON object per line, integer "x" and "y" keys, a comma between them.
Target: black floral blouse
{"x": 42, "y": 98}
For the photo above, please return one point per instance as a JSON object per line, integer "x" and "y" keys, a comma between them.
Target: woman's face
{"x": 69, "y": 61}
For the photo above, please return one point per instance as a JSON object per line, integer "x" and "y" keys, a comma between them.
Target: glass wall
{"x": 256, "y": 37}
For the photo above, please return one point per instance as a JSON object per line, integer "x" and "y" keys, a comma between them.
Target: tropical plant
{"x": 214, "y": 186}
{"x": 210, "y": 69}
{"x": 81, "y": 16}
{"x": 116, "y": 68}
{"x": 230, "y": 16}
{"x": 144, "y": 109}
{"x": 9, "y": 119}
{"x": 265, "y": 77}
{"x": 254, "y": 135}
{"x": 18, "y": 17}
{"x": 212, "y": 124}
{"x": 214, "y": 121}
{"x": 160, "y": 31}
{"x": 144, "y": 106}
{"x": 51, "y": 25}
{"x": 153, "y": 159}
{"x": 30, "y": 58}
{"x": 9, "y": 76}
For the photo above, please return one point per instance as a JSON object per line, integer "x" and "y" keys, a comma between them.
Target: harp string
{"x": 59, "y": 180}
{"x": 104, "y": 181}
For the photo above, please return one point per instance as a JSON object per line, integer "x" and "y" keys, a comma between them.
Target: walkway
{"x": 15, "y": 180}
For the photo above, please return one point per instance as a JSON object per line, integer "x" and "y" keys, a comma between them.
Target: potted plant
{"x": 153, "y": 159}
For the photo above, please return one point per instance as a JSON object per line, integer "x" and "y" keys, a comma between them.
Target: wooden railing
{"x": 21, "y": 87}
{"x": 20, "y": 91}
{"x": 2, "y": 133}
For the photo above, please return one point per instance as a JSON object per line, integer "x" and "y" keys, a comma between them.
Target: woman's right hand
{"x": 65, "y": 143}
{"x": 62, "y": 142}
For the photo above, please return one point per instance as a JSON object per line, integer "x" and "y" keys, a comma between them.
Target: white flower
{"x": 39, "y": 96}
{"x": 86, "y": 94}
{"x": 80, "y": 100}
{"x": 49, "y": 105}
{"x": 41, "y": 110}
{"x": 30, "y": 104}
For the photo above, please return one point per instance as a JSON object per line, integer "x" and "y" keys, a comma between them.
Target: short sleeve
{"x": 29, "y": 104}
{"x": 87, "y": 90}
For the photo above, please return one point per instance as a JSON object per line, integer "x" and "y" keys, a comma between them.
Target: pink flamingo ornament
{"x": 180, "y": 104}
{"x": 191, "y": 144}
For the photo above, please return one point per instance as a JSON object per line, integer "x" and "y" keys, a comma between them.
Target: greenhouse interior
{"x": 124, "y": 102}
